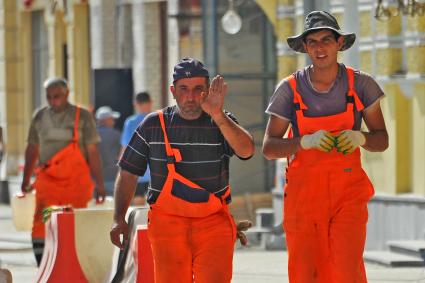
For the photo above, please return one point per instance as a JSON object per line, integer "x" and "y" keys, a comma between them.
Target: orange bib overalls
{"x": 64, "y": 180}
{"x": 325, "y": 202}
{"x": 191, "y": 231}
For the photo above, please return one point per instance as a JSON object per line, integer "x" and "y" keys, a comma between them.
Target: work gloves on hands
{"x": 320, "y": 140}
{"x": 242, "y": 226}
{"x": 345, "y": 142}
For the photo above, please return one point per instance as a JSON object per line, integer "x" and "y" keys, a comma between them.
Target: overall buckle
{"x": 171, "y": 159}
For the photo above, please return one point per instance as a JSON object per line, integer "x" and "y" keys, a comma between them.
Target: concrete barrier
{"x": 93, "y": 245}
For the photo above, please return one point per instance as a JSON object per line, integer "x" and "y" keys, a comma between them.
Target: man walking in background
{"x": 63, "y": 140}
{"x": 142, "y": 106}
{"x": 109, "y": 146}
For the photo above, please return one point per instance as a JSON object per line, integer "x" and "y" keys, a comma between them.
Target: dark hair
{"x": 142, "y": 97}
{"x": 336, "y": 35}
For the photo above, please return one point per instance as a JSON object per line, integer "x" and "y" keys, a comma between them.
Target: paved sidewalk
{"x": 251, "y": 265}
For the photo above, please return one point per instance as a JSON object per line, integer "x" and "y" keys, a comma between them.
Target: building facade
{"x": 81, "y": 39}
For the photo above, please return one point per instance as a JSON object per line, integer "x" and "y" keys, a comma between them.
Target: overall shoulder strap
{"x": 351, "y": 91}
{"x": 299, "y": 104}
{"x": 171, "y": 152}
{"x": 76, "y": 122}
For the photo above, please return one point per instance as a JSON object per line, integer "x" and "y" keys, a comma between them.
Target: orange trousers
{"x": 187, "y": 250}
{"x": 325, "y": 217}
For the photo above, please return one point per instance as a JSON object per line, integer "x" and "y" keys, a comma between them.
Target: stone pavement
{"x": 251, "y": 265}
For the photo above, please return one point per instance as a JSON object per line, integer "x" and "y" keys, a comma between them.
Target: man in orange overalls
{"x": 63, "y": 139}
{"x": 187, "y": 147}
{"x": 326, "y": 194}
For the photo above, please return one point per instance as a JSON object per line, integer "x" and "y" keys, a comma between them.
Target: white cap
{"x": 106, "y": 112}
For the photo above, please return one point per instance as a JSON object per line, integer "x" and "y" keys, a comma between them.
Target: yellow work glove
{"x": 347, "y": 141}
{"x": 240, "y": 227}
{"x": 320, "y": 140}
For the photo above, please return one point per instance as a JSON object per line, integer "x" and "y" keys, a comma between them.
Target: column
{"x": 57, "y": 39}
{"x": 147, "y": 69}
{"x": 78, "y": 53}
{"x": 15, "y": 102}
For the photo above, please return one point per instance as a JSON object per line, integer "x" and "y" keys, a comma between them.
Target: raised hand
{"x": 212, "y": 101}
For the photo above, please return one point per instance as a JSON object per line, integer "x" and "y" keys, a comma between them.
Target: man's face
{"x": 187, "y": 93}
{"x": 322, "y": 47}
{"x": 108, "y": 122}
{"x": 57, "y": 97}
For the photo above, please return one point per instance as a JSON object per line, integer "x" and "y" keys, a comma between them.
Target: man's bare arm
{"x": 274, "y": 145}
{"x": 96, "y": 170}
{"x": 125, "y": 186}
{"x": 377, "y": 137}
{"x": 32, "y": 153}
{"x": 238, "y": 138}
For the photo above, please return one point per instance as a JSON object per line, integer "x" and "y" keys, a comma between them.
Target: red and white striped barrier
{"x": 60, "y": 263}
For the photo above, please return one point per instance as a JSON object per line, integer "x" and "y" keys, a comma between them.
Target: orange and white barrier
{"x": 78, "y": 249}
{"x": 60, "y": 263}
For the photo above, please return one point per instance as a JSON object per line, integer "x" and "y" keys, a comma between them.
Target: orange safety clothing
{"x": 191, "y": 249}
{"x": 325, "y": 202}
{"x": 64, "y": 180}
{"x": 190, "y": 229}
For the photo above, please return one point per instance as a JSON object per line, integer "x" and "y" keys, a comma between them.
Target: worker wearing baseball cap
{"x": 327, "y": 191}
{"x": 187, "y": 148}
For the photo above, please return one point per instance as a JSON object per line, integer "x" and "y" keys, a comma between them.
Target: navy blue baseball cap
{"x": 189, "y": 68}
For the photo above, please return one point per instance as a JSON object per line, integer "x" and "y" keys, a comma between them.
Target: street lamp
{"x": 231, "y": 21}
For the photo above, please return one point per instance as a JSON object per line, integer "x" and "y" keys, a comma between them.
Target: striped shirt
{"x": 204, "y": 150}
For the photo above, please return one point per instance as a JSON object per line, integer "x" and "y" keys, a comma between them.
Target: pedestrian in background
{"x": 109, "y": 146}
{"x": 63, "y": 140}
{"x": 188, "y": 148}
{"x": 142, "y": 106}
{"x": 327, "y": 191}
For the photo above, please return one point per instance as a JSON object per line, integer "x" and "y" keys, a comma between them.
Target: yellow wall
{"x": 418, "y": 139}
{"x": 269, "y": 8}
{"x": 16, "y": 65}
{"x": 14, "y": 79}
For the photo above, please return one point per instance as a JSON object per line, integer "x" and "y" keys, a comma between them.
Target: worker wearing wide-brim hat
{"x": 327, "y": 191}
